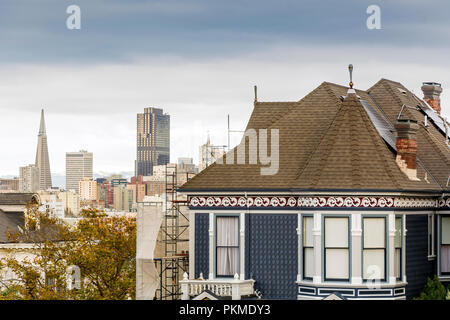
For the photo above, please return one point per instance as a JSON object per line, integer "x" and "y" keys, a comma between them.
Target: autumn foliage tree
{"x": 102, "y": 247}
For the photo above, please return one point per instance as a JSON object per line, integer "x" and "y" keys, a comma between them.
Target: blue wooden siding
{"x": 418, "y": 268}
{"x": 271, "y": 254}
{"x": 201, "y": 244}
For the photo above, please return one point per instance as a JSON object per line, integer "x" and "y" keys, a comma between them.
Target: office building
{"x": 153, "y": 140}
{"x": 79, "y": 165}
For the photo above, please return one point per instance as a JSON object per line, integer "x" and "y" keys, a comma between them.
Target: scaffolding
{"x": 174, "y": 261}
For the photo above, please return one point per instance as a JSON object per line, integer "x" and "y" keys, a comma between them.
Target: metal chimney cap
{"x": 431, "y": 84}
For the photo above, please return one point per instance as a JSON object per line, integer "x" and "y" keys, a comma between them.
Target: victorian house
{"x": 354, "y": 203}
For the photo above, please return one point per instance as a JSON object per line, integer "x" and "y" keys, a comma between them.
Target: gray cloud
{"x": 197, "y": 59}
{"x": 124, "y": 30}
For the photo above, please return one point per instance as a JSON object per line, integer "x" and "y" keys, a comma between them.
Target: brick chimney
{"x": 407, "y": 147}
{"x": 431, "y": 94}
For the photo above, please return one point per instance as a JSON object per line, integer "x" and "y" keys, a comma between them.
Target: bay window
{"x": 336, "y": 246}
{"x": 308, "y": 248}
{"x": 227, "y": 246}
{"x": 445, "y": 245}
{"x": 374, "y": 248}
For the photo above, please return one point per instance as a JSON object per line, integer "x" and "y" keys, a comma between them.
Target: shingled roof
{"x": 9, "y": 198}
{"x": 330, "y": 143}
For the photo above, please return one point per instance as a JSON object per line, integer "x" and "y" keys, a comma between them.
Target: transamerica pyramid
{"x": 42, "y": 160}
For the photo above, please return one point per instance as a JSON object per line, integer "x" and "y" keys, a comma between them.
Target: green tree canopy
{"x": 102, "y": 247}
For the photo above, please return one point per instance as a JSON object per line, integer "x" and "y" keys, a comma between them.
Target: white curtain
{"x": 374, "y": 248}
{"x": 445, "y": 245}
{"x": 227, "y": 246}
{"x": 445, "y": 258}
{"x": 398, "y": 247}
{"x": 373, "y": 264}
{"x": 397, "y": 263}
{"x": 336, "y": 248}
{"x": 308, "y": 244}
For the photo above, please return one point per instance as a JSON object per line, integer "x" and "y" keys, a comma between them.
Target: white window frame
{"x": 236, "y": 216}
{"x": 431, "y": 234}
{"x": 303, "y": 247}
{"x": 399, "y": 233}
{"x": 444, "y": 274}
{"x": 324, "y": 248}
{"x": 386, "y": 247}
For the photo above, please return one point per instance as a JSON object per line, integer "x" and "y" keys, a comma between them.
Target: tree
{"x": 434, "y": 290}
{"x": 103, "y": 247}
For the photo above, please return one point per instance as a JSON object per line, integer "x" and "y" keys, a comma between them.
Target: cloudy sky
{"x": 196, "y": 59}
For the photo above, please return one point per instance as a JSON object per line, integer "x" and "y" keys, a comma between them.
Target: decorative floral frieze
{"x": 314, "y": 202}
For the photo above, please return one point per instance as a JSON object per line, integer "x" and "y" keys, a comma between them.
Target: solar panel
{"x": 384, "y": 128}
{"x": 430, "y": 113}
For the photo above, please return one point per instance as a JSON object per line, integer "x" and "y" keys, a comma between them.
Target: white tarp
{"x": 148, "y": 223}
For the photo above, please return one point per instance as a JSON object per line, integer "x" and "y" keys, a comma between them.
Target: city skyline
{"x": 93, "y": 84}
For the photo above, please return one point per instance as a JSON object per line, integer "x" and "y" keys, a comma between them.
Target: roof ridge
{"x": 275, "y": 102}
{"x": 302, "y": 100}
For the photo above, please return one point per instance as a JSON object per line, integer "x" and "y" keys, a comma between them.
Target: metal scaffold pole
{"x": 174, "y": 230}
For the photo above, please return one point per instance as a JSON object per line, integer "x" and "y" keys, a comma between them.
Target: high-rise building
{"x": 78, "y": 166}
{"x": 29, "y": 178}
{"x": 153, "y": 140}
{"x": 87, "y": 189}
{"x": 42, "y": 159}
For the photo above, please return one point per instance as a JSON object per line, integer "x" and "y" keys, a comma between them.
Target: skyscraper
{"x": 153, "y": 140}
{"x": 78, "y": 166}
{"x": 42, "y": 160}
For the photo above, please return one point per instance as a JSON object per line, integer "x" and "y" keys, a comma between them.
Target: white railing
{"x": 233, "y": 288}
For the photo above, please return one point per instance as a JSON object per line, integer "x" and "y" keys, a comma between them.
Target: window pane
{"x": 374, "y": 232}
{"x": 227, "y": 231}
{"x": 336, "y": 232}
{"x": 373, "y": 264}
{"x": 307, "y": 231}
{"x": 445, "y": 258}
{"x": 227, "y": 261}
{"x": 309, "y": 262}
{"x": 445, "y": 230}
{"x": 336, "y": 263}
{"x": 398, "y": 233}
{"x": 397, "y": 262}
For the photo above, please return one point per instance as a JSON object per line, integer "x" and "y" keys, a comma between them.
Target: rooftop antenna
{"x": 231, "y": 131}
{"x": 350, "y": 70}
